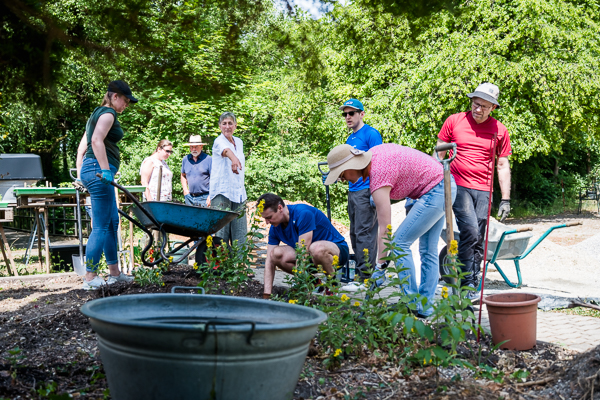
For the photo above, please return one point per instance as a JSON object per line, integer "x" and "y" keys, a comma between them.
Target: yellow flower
{"x": 337, "y": 352}
{"x": 367, "y": 281}
{"x": 209, "y": 241}
{"x": 292, "y": 301}
{"x": 261, "y": 206}
{"x": 294, "y": 271}
{"x": 171, "y": 259}
{"x": 366, "y": 252}
{"x": 344, "y": 297}
{"x": 445, "y": 292}
{"x": 157, "y": 274}
{"x": 424, "y": 361}
{"x": 336, "y": 261}
{"x": 195, "y": 265}
{"x": 389, "y": 227}
{"x": 356, "y": 304}
{"x": 232, "y": 291}
{"x": 303, "y": 242}
{"x": 453, "y": 249}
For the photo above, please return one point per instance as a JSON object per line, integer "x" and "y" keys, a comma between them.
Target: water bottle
{"x": 351, "y": 269}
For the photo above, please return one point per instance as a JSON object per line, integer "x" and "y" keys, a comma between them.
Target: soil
{"x": 47, "y": 348}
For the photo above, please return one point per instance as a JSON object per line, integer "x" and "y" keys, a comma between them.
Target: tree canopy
{"x": 285, "y": 74}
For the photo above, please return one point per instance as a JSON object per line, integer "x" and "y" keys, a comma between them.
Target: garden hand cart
{"x": 167, "y": 217}
{"x": 505, "y": 244}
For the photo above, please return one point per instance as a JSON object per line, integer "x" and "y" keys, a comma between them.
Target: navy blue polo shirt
{"x": 303, "y": 219}
{"x": 363, "y": 139}
{"x": 197, "y": 173}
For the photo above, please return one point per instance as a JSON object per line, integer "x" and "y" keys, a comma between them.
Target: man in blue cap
{"x": 361, "y": 210}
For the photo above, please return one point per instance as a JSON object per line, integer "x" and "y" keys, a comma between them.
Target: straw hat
{"x": 195, "y": 140}
{"x": 344, "y": 157}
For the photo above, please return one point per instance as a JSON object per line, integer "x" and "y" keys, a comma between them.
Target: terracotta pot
{"x": 513, "y": 316}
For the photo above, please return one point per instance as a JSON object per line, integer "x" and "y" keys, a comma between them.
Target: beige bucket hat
{"x": 344, "y": 157}
{"x": 195, "y": 140}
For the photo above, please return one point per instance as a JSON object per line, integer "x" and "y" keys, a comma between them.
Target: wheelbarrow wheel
{"x": 444, "y": 269}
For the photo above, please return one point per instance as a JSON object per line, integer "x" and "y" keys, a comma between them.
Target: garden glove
{"x": 504, "y": 209}
{"x": 79, "y": 186}
{"x": 107, "y": 176}
{"x": 324, "y": 176}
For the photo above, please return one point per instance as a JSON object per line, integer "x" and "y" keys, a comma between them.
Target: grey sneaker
{"x": 473, "y": 295}
{"x": 353, "y": 287}
{"x": 94, "y": 284}
{"x": 119, "y": 278}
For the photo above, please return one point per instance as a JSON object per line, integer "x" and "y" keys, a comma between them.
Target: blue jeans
{"x": 196, "y": 201}
{"x": 105, "y": 218}
{"x": 424, "y": 221}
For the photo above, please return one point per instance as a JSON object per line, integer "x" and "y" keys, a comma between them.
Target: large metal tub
{"x": 165, "y": 346}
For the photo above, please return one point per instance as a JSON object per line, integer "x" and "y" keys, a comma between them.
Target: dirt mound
{"x": 578, "y": 379}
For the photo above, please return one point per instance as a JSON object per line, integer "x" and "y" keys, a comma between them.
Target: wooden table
{"x": 6, "y": 215}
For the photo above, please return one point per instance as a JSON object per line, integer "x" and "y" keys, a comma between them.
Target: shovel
{"x": 447, "y": 193}
{"x": 78, "y": 260}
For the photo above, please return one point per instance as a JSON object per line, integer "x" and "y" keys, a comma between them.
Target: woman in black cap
{"x": 98, "y": 153}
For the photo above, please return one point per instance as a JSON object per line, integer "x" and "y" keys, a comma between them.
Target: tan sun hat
{"x": 195, "y": 140}
{"x": 344, "y": 157}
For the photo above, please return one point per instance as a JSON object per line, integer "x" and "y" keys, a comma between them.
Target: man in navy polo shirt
{"x": 195, "y": 173}
{"x": 195, "y": 181}
{"x": 292, "y": 225}
{"x": 361, "y": 210}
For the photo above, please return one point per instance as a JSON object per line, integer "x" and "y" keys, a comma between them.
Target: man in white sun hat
{"x": 475, "y": 132}
{"x": 361, "y": 210}
{"x": 195, "y": 173}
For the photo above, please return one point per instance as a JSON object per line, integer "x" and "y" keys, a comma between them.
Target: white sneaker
{"x": 353, "y": 287}
{"x": 119, "y": 278}
{"x": 95, "y": 283}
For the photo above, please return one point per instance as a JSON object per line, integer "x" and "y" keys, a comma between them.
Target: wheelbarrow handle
{"x": 574, "y": 223}
{"x": 133, "y": 200}
{"x": 525, "y": 229}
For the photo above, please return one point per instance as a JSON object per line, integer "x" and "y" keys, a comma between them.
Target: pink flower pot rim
{"x": 494, "y": 300}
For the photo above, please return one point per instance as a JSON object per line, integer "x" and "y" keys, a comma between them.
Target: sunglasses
{"x": 168, "y": 151}
{"x": 350, "y": 113}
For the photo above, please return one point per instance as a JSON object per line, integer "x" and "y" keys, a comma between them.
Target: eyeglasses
{"x": 475, "y": 106}
{"x": 350, "y": 113}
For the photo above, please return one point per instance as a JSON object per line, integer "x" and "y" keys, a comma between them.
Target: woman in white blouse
{"x": 227, "y": 189}
{"x": 149, "y": 172}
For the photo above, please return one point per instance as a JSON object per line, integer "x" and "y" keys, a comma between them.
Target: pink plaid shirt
{"x": 409, "y": 172}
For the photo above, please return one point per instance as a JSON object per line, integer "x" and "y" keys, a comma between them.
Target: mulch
{"x": 55, "y": 352}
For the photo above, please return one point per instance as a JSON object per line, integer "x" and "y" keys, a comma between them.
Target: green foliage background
{"x": 285, "y": 74}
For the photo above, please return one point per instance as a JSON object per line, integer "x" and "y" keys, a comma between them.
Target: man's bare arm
{"x": 381, "y": 197}
{"x": 184, "y": 184}
{"x": 504, "y": 177}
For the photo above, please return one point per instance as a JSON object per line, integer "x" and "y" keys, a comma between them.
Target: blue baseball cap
{"x": 354, "y": 104}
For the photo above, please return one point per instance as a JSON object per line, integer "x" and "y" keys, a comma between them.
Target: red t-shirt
{"x": 473, "y": 164}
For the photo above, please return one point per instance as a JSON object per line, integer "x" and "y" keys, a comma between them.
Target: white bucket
{"x": 79, "y": 265}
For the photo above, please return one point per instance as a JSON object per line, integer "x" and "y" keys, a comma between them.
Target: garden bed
{"x": 48, "y": 348}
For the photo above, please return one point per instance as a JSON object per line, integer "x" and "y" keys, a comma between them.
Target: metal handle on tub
{"x": 216, "y": 322}
{"x": 174, "y": 288}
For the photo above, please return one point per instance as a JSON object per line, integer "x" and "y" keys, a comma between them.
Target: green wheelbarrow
{"x": 504, "y": 244}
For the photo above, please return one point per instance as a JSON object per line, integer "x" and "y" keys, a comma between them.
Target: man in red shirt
{"x": 474, "y": 132}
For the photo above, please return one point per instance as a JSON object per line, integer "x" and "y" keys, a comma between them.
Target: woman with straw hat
{"x": 397, "y": 172}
